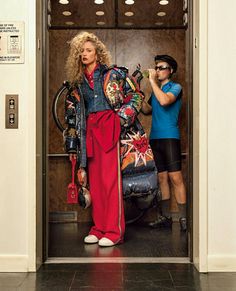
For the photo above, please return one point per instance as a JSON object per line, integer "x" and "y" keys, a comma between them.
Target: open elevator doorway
{"x": 152, "y": 28}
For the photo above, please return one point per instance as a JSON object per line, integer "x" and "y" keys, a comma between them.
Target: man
{"x": 165, "y": 105}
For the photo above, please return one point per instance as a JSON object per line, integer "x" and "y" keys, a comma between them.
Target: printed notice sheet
{"x": 12, "y": 42}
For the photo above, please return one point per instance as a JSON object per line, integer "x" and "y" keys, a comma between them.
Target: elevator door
{"x": 68, "y": 223}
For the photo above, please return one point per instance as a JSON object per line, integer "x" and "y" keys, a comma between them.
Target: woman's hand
{"x": 72, "y": 156}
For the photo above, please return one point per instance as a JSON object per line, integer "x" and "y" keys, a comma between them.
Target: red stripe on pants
{"x": 104, "y": 177}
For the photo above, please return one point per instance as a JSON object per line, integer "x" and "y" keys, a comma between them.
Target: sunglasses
{"x": 161, "y": 68}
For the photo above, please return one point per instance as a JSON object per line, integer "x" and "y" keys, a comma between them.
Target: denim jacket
{"x": 95, "y": 100}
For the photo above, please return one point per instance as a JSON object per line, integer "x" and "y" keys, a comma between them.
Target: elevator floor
{"x": 66, "y": 240}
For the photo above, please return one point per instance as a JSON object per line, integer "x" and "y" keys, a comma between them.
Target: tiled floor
{"x": 140, "y": 277}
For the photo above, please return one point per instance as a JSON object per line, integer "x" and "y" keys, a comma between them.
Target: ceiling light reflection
{"x": 69, "y": 23}
{"x": 161, "y": 14}
{"x": 129, "y": 2}
{"x": 66, "y": 13}
{"x": 98, "y": 1}
{"x": 164, "y": 2}
{"x": 129, "y": 13}
{"x": 128, "y": 23}
{"x": 63, "y": 1}
{"x": 100, "y": 13}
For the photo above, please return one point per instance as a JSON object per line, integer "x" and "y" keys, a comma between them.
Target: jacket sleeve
{"x": 71, "y": 134}
{"x": 133, "y": 99}
{"x": 123, "y": 89}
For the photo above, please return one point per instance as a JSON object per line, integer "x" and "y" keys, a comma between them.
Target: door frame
{"x": 198, "y": 131}
{"x": 200, "y": 134}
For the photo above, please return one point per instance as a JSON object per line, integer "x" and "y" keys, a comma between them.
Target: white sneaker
{"x": 90, "y": 239}
{"x": 105, "y": 242}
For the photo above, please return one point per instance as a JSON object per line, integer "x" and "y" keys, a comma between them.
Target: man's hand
{"x": 152, "y": 75}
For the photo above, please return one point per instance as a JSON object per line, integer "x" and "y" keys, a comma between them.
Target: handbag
{"x": 139, "y": 173}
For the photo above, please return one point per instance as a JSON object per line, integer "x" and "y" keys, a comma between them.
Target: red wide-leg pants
{"x": 103, "y": 131}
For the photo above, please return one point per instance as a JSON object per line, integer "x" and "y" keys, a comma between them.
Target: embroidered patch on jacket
{"x": 113, "y": 92}
{"x": 135, "y": 149}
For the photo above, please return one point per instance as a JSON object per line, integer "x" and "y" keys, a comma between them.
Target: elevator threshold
{"x": 119, "y": 260}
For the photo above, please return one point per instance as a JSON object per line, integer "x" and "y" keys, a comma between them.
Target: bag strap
{"x": 73, "y": 163}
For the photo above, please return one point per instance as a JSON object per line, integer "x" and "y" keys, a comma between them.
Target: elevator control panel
{"x": 11, "y": 111}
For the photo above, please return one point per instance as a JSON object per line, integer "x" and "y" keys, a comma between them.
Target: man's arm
{"x": 146, "y": 108}
{"x": 163, "y": 98}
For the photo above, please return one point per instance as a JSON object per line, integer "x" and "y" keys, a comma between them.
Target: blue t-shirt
{"x": 165, "y": 118}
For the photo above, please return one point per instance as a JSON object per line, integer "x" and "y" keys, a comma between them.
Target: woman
{"x": 109, "y": 102}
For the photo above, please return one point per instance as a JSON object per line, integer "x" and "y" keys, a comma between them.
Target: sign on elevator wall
{"x": 12, "y": 42}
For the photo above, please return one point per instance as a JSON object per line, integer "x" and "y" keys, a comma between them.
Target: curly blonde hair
{"x": 74, "y": 65}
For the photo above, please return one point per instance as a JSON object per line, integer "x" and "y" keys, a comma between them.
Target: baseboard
{"x": 13, "y": 263}
{"x": 222, "y": 263}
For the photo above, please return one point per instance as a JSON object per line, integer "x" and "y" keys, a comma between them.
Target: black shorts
{"x": 167, "y": 154}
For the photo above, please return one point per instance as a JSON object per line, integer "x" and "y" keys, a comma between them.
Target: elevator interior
{"x": 134, "y": 32}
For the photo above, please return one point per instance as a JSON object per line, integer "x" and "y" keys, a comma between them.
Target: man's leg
{"x": 163, "y": 220}
{"x": 159, "y": 152}
{"x": 177, "y": 182}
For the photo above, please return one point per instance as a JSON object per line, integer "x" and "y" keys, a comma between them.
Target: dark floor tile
{"x": 148, "y": 285}
{"x": 158, "y": 266}
{"x": 59, "y": 267}
{"x": 143, "y": 275}
{"x": 185, "y": 278}
{"x": 11, "y": 279}
{"x": 99, "y": 267}
{"x": 47, "y": 281}
{"x": 98, "y": 280}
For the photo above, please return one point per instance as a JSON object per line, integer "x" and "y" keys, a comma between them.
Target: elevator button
{"x": 11, "y": 104}
{"x": 11, "y": 118}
